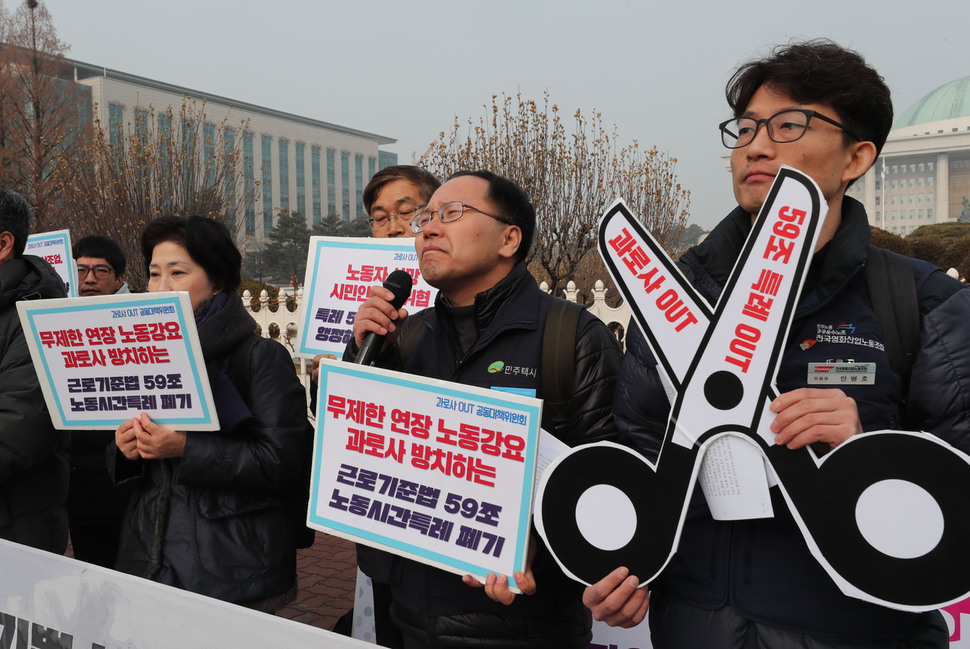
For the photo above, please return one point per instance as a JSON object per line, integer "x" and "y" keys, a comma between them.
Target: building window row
{"x": 212, "y": 146}
{"x": 913, "y": 167}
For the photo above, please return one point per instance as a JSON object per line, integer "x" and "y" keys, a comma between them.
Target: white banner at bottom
{"x": 55, "y": 602}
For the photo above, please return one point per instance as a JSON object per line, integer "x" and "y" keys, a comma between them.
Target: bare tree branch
{"x": 40, "y": 108}
{"x": 571, "y": 176}
{"x": 165, "y": 163}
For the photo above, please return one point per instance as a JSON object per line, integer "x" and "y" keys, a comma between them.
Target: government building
{"x": 923, "y": 173}
{"x": 301, "y": 164}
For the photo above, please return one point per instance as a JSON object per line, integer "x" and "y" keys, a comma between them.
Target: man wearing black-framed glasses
{"x": 821, "y": 109}
{"x": 100, "y": 266}
{"x": 487, "y": 329}
{"x": 95, "y": 505}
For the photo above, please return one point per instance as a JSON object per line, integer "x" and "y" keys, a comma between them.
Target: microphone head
{"x": 400, "y": 284}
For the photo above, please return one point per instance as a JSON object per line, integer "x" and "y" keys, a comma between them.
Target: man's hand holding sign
{"x": 851, "y": 512}
{"x": 431, "y": 470}
{"x": 460, "y": 429}
{"x": 377, "y": 325}
{"x": 808, "y": 415}
{"x": 381, "y": 316}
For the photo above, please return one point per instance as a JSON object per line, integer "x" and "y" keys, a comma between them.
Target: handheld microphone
{"x": 400, "y": 283}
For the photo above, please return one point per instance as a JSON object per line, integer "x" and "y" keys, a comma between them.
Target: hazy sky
{"x": 405, "y": 69}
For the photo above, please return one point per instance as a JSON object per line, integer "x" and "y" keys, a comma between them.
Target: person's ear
{"x": 6, "y": 246}
{"x": 511, "y": 240}
{"x": 862, "y": 155}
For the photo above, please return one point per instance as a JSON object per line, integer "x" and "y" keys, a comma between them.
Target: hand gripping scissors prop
{"x": 884, "y": 513}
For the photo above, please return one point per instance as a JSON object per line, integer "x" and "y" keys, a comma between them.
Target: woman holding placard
{"x": 218, "y": 513}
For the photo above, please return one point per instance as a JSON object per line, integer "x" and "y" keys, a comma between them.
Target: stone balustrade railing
{"x": 282, "y": 324}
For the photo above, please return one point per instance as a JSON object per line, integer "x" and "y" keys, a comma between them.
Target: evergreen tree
{"x": 286, "y": 249}
{"x": 329, "y": 226}
{"x": 356, "y": 228}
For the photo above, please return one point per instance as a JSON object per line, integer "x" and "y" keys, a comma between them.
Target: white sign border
{"x": 69, "y": 261}
{"x": 179, "y": 299}
{"x": 314, "y": 258}
{"x": 442, "y": 388}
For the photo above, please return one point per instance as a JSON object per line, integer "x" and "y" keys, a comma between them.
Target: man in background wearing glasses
{"x": 100, "y": 266}
{"x": 753, "y": 583}
{"x": 391, "y": 196}
{"x": 472, "y": 239}
{"x": 95, "y": 506}
{"x": 390, "y": 199}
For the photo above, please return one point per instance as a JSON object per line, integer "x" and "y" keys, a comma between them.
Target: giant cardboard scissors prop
{"x": 884, "y": 513}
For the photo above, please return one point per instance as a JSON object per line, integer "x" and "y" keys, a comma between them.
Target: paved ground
{"x": 327, "y": 573}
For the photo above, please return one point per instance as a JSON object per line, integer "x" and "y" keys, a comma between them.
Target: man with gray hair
{"x": 33, "y": 455}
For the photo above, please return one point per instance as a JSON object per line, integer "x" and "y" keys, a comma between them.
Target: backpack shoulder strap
{"x": 892, "y": 290}
{"x": 559, "y": 357}
{"x": 558, "y": 354}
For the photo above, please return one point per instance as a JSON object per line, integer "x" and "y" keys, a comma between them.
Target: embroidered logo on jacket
{"x": 500, "y": 367}
{"x": 844, "y": 334}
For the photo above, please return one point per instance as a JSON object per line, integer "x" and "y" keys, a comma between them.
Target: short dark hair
{"x": 95, "y": 245}
{"x": 208, "y": 243}
{"x": 820, "y": 72}
{"x": 513, "y": 203}
{"x": 15, "y": 219}
{"x": 426, "y": 181}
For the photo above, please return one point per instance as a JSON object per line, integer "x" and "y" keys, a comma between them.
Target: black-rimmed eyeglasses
{"x": 101, "y": 272}
{"x": 784, "y": 127}
{"x": 447, "y": 213}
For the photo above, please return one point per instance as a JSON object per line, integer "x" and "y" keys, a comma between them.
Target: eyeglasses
{"x": 786, "y": 126}
{"x": 101, "y": 272}
{"x": 379, "y": 221}
{"x": 446, "y": 214}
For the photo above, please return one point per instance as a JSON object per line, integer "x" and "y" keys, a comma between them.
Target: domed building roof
{"x": 949, "y": 101}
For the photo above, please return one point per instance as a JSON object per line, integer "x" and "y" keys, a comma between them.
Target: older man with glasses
{"x": 472, "y": 239}
{"x": 819, "y": 108}
{"x": 390, "y": 200}
{"x": 391, "y": 196}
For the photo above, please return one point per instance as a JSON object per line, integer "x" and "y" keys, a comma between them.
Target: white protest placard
{"x": 60, "y": 603}
{"x": 104, "y": 359}
{"x": 431, "y": 470}
{"x": 55, "y": 247}
{"x": 339, "y": 274}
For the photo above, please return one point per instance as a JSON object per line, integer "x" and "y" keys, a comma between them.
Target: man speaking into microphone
{"x": 472, "y": 239}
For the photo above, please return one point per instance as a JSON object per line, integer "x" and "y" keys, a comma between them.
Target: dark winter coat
{"x": 763, "y": 567}
{"x": 34, "y": 466}
{"x": 220, "y": 520}
{"x": 510, "y": 318}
